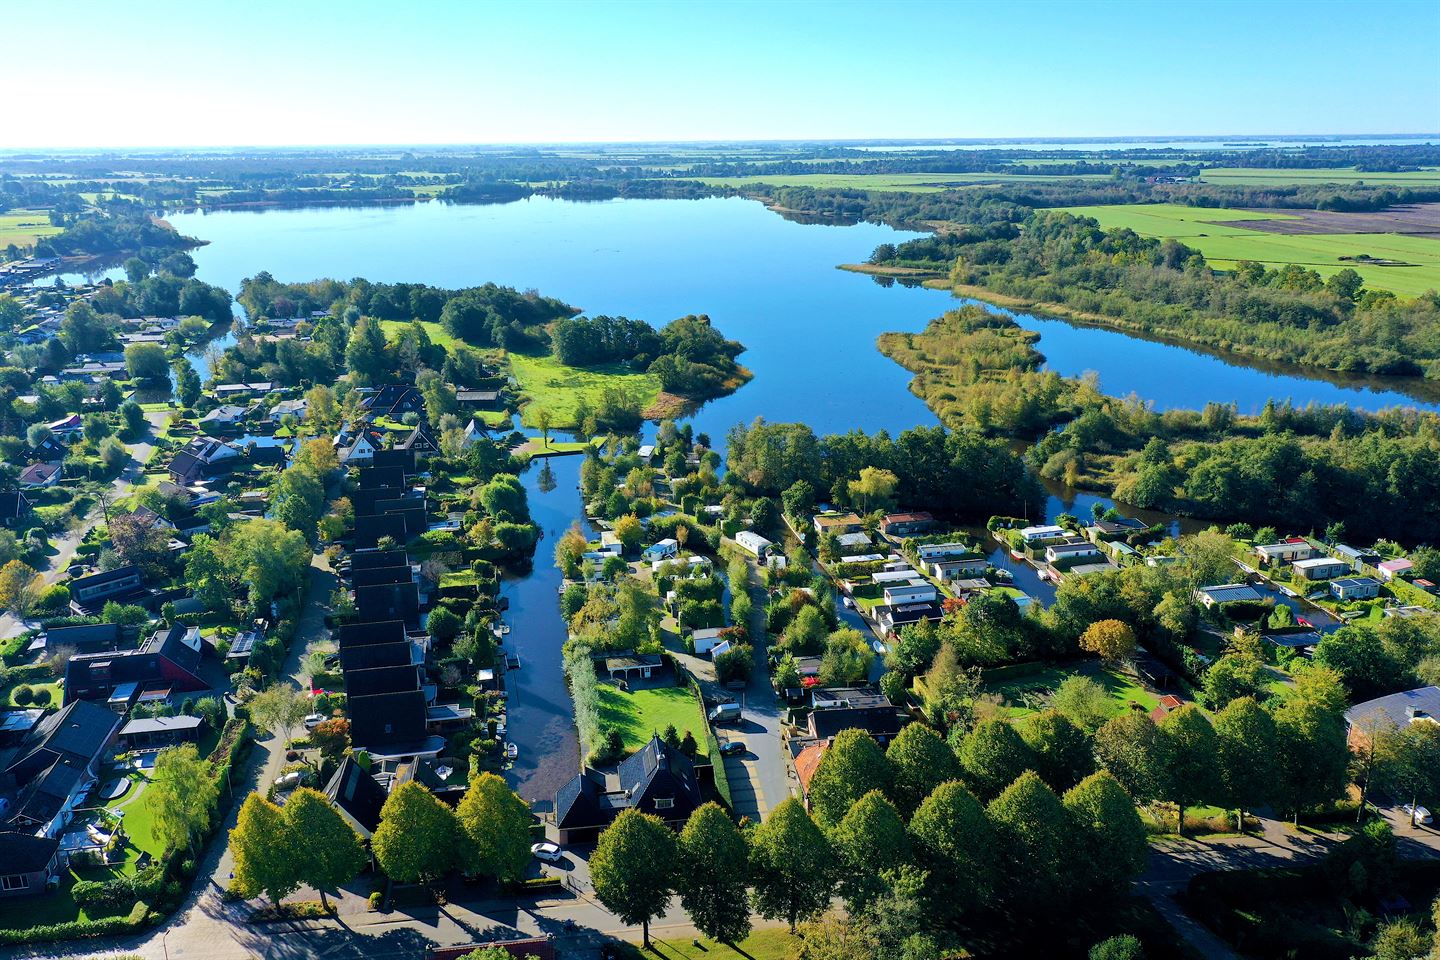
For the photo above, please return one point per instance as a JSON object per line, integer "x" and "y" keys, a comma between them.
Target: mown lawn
{"x": 641, "y": 713}
{"x": 53, "y": 686}
{"x": 552, "y": 386}
{"x": 769, "y": 944}
{"x": 1026, "y": 695}
{"x": 438, "y": 334}
{"x": 24, "y": 227}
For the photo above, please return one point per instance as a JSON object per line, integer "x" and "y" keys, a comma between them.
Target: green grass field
{"x": 24, "y": 227}
{"x": 1265, "y": 177}
{"x": 890, "y": 182}
{"x": 640, "y": 713}
{"x": 1210, "y": 232}
{"x": 774, "y": 943}
{"x": 438, "y": 334}
{"x": 53, "y": 686}
{"x": 552, "y": 386}
{"x": 1024, "y": 695}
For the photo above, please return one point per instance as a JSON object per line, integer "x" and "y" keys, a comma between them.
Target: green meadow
{"x": 1210, "y": 231}
{"x": 1267, "y": 177}
{"x": 552, "y": 386}
{"x": 24, "y": 227}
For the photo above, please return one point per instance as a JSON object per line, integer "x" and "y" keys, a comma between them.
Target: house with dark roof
{"x": 906, "y": 524}
{"x": 420, "y": 441}
{"x": 392, "y": 726}
{"x": 1397, "y": 710}
{"x": 394, "y": 400}
{"x": 49, "y": 450}
{"x": 379, "y": 478}
{"x": 405, "y": 459}
{"x": 54, "y": 765}
{"x": 85, "y": 638}
{"x": 123, "y": 584}
{"x": 390, "y": 601}
{"x": 835, "y": 709}
{"x": 160, "y": 732}
{"x": 478, "y": 399}
{"x": 369, "y": 531}
{"x": 202, "y": 457}
{"x": 655, "y": 780}
{"x": 27, "y": 863}
{"x": 357, "y": 796}
{"x": 169, "y": 660}
{"x": 14, "y": 508}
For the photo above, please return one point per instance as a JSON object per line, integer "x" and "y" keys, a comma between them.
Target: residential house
{"x": 892, "y": 617}
{"x": 752, "y": 543}
{"x": 420, "y": 440}
{"x": 1393, "y": 569}
{"x": 296, "y": 408}
{"x": 86, "y": 638}
{"x": 643, "y": 666}
{"x": 224, "y": 416}
{"x": 913, "y": 591}
{"x": 1042, "y": 532}
{"x": 837, "y": 523}
{"x": 150, "y": 732}
{"x": 851, "y": 708}
{"x": 1286, "y": 551}
{"x": 662, "y": 550}
{"x": 66, "y": 425}
{"x": 229, "y": 391}
{"x": 478, "y": 399}
{"x": 49, "y": 450}
{"x": 357, "y": 796}
{"x": 1320, "y": 568}
{"x": 1228, "y": 593}
{"x": 356, "y": 448}
{"x": 523, "y": 948}
{"x": 1357, "y": 557}
{"x": 906, "y": 524}
{"x": 392, "y": 727}
{"x": 853, "y": 542}
{"x": 54, "y": 765}
{"x": 168, "y": 662}
{"x": 706, "y": 639}
{"x": 1397, "y": 710}
{"x": 40, "y": 475}
{"x": 1108, "y": 530}
{"x": 1069, "y": 550}
{"x": 204, "y": 456}
{"x": 655, "y": 780}
{"x": 28, "y": 863}
{"x": 394, "y": 400}
{"x": 926, "y": 552}
{"x": 121, "y": 585}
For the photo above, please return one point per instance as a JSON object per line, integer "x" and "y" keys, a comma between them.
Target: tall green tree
{"x": 633, "y": 868}
{"x": 1063, "y": 752}
{"x": 1128, "y": 746}
{"x": 1407, "y": 763}
{"x": 920, "y": 760}
{"x": 1312, "y": 756}
{"x": 326, "y": 850}
{"x": 419, "y": 839}
{"x": 993, "y": 755}
{"x": 851, "y": 767}
{"x": 792, "y": 866}
{"x": 713, "y": 876}
{"x": 262, "y": 844}
{"x": 1189, "y": 759}
{"x": 365, "y": 352}
{"x": 496, "y": 825}
{"x": 869, "y": 842}
{"x": 181, "y": 796}
{"x": 1034, "y": 841}
{"x": 1245, "y": 742}
{"x": 955, "y": 842}
{"x": 1111, "y": 838}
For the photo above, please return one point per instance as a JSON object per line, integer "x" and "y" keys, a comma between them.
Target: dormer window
{"x": 664, "y": 803}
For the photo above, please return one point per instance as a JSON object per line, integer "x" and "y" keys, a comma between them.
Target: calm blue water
{"x": 766, "y": 281}
{"x": 1251, "y": 143}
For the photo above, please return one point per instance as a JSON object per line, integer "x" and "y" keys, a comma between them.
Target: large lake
{"x": 769, "y": 282}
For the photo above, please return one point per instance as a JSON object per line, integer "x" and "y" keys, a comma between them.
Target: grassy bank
{"x": 556, "y": 388}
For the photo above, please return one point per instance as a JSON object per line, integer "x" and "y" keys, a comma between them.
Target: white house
{"x": 1043, "y": 532}
{"x": 953, "y": 569}
{"x": 662, "y": 550}
{"x": 1074, "y": 549}
{"x": 1321, "y": 568}
{"x": 940, "y": 551}
{"x": 1355, "y": 588}
{"x": 752, "y": 543}
{"x": 916, "y": 591}
{"x": 1391, "y": 569}
{"x": 705, "y": 639}
{"x": 853, "y": 541}
{"x": 1287, "y": 551}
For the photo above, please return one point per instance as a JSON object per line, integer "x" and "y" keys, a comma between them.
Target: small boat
{"x": 511, "y": 751}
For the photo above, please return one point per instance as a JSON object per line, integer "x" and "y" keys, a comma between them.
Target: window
{"x": 18, "y": 881}
{"x": 664, "y": 803}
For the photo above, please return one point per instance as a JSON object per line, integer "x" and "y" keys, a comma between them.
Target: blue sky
{"x": 151, "y": 73}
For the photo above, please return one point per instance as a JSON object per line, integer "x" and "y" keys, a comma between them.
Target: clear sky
{"x": 262, "y": 72}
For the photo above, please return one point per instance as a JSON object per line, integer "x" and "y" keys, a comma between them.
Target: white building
{"x": 752, "y": 543}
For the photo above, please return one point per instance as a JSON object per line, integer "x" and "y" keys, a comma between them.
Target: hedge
{"x": 79, "y": 929}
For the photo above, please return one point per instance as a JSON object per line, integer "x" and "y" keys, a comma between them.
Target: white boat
{"x": 511, "y": 751}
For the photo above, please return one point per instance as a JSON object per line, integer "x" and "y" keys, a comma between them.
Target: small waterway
{"x": 542, "y": 721}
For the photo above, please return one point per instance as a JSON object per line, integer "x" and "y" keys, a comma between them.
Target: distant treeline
{"x": 113, "y": 235}
{"x": 689, "y": 355}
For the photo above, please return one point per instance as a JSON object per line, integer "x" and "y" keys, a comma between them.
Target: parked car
{"x": 548, "y": 852}
{"x": 288, "y": 781}
{"x": 1418, "y": 815}
{"x": 732, "y": 748}
{"x": 313, "y": 720}
{"x": 725, "y": 713}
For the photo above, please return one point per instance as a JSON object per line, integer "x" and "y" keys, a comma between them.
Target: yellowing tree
{"x": 874, "y": 488}
{"x": 19, "y": 584}
{"x": 1111, "y": 640}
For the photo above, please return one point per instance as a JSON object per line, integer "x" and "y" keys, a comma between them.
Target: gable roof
{"x": 1397, "y": 709}
{"x": 80, "y": 730}
{"x": 13, "y": 504}
{"x": 357, "y": 795}
{"x": 387, "y": 720}
{"x": 26, "y": 853}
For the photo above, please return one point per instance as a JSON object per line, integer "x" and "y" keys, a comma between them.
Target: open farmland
{"x": 1280, "y": 176}
{"x": 887, "y": 182}
{"x": 24, "y": 227}
{"x": 1219, "y": 235}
